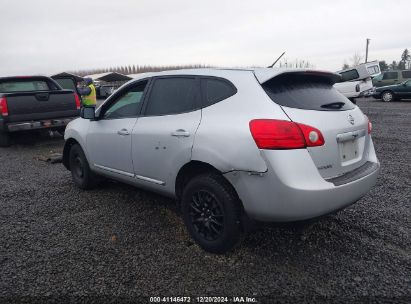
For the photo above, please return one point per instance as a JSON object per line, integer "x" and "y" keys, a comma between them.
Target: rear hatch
{"x": 310, "y": 98}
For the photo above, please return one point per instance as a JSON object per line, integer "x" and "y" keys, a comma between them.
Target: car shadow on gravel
{"x": 34, "y": 138}
{"x": 262, "y": 239}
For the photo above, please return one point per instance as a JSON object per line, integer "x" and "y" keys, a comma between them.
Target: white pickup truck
{"x": 357, "y": 81}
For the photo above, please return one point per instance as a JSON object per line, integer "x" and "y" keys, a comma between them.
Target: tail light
{"x": 78, "y": 102}
{"x": 4, "y": 110}
{"x": 281, "y": 134}
{"x": 369, "y": 125}
{"x": 357, "y": 87}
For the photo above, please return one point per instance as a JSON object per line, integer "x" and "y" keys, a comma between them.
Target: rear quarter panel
{"x": 223, "y": 138}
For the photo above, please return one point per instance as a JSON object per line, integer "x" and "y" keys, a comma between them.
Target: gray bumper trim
{"x": 42, "y": 124}
{"x": 353, "y": 175}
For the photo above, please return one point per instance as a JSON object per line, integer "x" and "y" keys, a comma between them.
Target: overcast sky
{"x": 46, "y": 36}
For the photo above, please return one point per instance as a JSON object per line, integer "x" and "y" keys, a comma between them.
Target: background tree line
{"x": 403, "y": 64}
{"x": 135, "y": 69}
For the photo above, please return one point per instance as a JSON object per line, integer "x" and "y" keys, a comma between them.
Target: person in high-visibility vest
{"x": 88, "y": 93}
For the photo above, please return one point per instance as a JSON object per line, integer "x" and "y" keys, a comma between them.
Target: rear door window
{"x": 215, "y": 90}
{"x": 309, "y": 92}
{"x": 172, "y": 95}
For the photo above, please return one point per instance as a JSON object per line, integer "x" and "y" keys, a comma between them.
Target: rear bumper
{"x": 40, "y": 124}
{"x": 295, "y": 190}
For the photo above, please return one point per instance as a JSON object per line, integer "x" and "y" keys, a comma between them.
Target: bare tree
{"x": 356, "y": 59}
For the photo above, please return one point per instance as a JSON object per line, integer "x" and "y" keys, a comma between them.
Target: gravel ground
{"x": 118, "y": 243}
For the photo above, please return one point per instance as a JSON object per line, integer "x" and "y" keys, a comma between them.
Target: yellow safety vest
{"x": 90, "y": 99}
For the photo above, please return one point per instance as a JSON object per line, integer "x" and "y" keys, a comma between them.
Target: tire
{"x": 387, "y": 96}
{"x": 211, "y": 212}
{"x": 83, "y": 177}
{"x": 4, "y": 139}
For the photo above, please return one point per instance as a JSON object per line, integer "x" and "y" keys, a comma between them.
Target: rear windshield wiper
{"x": 333, "y": 105}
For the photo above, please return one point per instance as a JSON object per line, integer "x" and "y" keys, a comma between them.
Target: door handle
{"x": 42, "y": 96}
{"x": 180, "y": 133}
{"x": 123, "y": 132}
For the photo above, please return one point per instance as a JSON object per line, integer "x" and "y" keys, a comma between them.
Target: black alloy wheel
{"x": 207, "y": 215}
{"x": 212, "y": 212}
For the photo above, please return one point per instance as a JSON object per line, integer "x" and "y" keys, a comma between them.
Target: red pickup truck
{"x": 34, "y": 102}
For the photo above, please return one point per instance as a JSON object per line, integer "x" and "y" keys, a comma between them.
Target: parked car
{"x": 230, "y": 145}
{"x": 394, "y": 92}
{"x": 391, "y": 78}
{"x": 36, "y": 102}
{"x": 357, "y": 81}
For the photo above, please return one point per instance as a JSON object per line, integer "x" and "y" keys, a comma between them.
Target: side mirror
{"x": 88, "y": 113}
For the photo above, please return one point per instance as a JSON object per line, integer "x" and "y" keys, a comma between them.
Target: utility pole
{"x": 366, "y": 50}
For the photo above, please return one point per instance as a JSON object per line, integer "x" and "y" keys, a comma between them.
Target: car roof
{"x": 262, "y": 74}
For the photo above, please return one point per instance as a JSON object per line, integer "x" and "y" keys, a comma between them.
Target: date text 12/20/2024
{"x": 203, "y": 300}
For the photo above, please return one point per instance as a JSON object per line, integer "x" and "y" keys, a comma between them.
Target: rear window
{"x": 10, "y": 86}
{"x": 306, "y": 92}
{"x": 406, "y": 74}
{"x": 373, "y": 69}
{"x": 349, "y": 75}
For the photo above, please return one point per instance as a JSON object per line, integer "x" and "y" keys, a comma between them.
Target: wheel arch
{"x": 191, "y": 169}
{"x": 66, "y": 151}
{"x": 194, "y": 168}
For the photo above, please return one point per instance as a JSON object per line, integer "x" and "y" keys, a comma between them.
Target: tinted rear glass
{"x": 216, "y": 90}
{"x": 172, "y": 96}
{"x": 349, "y": 75}
{"x": 309, "y": 92}
{"x": 9, "y": 86}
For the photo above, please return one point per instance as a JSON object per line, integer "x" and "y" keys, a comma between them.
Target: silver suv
{"x": 229, "y": 145}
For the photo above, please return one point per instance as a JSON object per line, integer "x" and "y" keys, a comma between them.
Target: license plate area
{"x": 349, "y": 151}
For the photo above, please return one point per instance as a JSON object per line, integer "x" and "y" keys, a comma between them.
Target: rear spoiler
{"x": 264, "y": 75}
